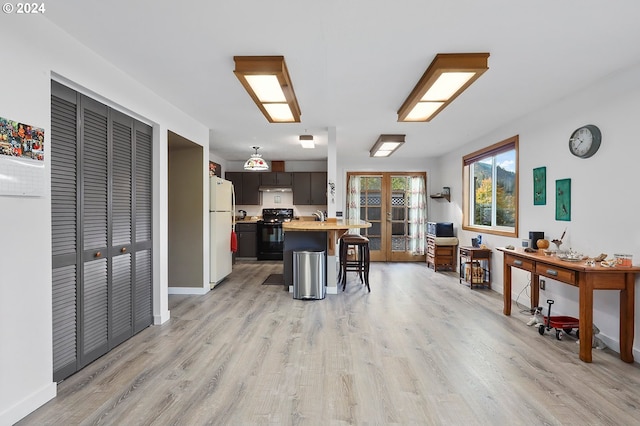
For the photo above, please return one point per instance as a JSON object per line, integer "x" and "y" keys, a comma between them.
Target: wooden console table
{"x": 587, "y": 279}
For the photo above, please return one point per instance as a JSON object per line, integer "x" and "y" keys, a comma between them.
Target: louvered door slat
{"x": 121, "y": 194}
{"x": 94, "y": 148}
{"x": 63, "y": 176}
{"x": 64, "y": 319}
{"x": 143, "y": 190}
{"x": 94, "y": 310}
{"x": 121, "y": 299}
{"x": 143, "y": 312}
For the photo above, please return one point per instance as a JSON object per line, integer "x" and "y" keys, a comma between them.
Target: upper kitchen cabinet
{"x": 310, "y": 188}
{"x": 275, "y": 179}
{"x": 246, "y": 187}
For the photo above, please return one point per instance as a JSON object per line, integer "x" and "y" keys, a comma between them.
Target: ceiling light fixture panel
{"x": 267, "y": 81}
{"x": 307, "y": 141}
{"x": 448, "y": 75}
{"x": 386, "y": 145}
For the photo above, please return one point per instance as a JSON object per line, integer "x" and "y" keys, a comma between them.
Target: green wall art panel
{"x": 540, "y": 186}
{"x": 563, "y": 199}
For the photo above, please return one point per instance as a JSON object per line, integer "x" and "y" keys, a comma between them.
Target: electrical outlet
{"x": 543, "y": 284}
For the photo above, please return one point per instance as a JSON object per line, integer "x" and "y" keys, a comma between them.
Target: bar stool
{"x": 360, "y": 264}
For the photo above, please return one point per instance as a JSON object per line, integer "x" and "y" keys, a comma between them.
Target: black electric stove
{"x": 270, "y": 233}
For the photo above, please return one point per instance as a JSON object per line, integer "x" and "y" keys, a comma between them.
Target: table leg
{"x": 506, "y": 278}
{"x": 586, "y": 317}
{"x": 535, "y": 291}
{"x": 627, "y": 300}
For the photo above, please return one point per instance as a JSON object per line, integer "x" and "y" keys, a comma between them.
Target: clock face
{"x": 585, "y": 141}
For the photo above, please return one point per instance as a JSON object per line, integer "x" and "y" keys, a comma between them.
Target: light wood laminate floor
{"x": 419, "y": 349}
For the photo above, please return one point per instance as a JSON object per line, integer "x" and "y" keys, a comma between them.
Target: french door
{"x": 385, "y": 200}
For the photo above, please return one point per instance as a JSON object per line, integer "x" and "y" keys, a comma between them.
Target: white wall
{"x": 39, "y": 51}
{"x": 604, "y": 188}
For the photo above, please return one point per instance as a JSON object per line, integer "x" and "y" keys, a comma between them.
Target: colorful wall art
{"x": 540, "y": 186}
{"x": 563, "y": 199}
{"x": 21, "y": 140}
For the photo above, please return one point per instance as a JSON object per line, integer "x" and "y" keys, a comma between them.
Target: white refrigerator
{"x": 220, "y": 226}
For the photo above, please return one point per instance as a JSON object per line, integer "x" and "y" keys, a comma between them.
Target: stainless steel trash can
{"x": 308, "y": 274}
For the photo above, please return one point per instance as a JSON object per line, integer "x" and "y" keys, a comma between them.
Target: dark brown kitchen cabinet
{"x": 236, "y": 180}
{"x": 310, "y": 188}
{"x": 245, "y": 185}
{"x": 275, "y": 179}
{"x": 247, "y": 239}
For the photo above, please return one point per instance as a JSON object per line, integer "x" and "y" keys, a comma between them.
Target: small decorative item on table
{"x": 542, "y": 244}
{"x": 624, "y": 259}
{"x": 557, "y": 242}
{"x": 571, "y": 256}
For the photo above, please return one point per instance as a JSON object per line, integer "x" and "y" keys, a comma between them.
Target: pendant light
{"x": 256, "y": 162}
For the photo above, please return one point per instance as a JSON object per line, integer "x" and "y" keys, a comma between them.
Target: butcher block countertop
{"x": 331, "y": 224}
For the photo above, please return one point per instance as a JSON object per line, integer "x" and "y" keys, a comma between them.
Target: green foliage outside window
{"x": 492, "y": 181}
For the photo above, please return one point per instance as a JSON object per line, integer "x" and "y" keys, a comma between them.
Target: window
{"x": 490, "y": 194}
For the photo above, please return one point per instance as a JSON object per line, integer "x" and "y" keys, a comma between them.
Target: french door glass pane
{"x": 371, "y": 208}
{"x": 375, "y": 229}
{"x": 398, "y": 244}
{"x": 400, "y": 186}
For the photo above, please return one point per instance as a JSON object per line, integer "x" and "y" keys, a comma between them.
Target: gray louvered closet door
{"x": 101, "y": 275}
{"x": 143, "y": 284}
{"x": 94, "y": 295}
{"x": 122, "y": 228}
{"x": 64, "y": 229}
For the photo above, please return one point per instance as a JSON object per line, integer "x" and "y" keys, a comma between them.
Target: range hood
{"x": 275, "y": 188}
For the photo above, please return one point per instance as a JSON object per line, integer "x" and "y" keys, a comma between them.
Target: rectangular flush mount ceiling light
{"x": 386, "y": 145}
{"x": 307, "y": 141}
{"x": 448, "y": 75}
{"x": 267, "y": 80}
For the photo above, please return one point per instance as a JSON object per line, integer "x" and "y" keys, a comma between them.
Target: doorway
{"x": 185, "y": 251}
{"x": 395, "y": 204}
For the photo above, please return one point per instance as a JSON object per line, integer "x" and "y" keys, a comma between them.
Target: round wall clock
{"x": 585, "y": 141}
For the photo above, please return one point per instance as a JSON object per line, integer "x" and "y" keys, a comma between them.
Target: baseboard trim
{"x": 162, "y": 318}
{"x": 34, "y": 401}
{"x": 188, "y": 290}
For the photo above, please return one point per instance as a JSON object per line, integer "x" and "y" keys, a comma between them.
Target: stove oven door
{"x": 270, "y": 240}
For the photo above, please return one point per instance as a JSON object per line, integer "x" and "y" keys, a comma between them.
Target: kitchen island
{"x": 316, "y": 235}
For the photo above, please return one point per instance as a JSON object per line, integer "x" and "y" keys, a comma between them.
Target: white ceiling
{"x": 353, "y": 62}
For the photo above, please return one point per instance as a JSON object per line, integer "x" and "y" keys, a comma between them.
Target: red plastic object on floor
{"x": 562, "y": 324}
